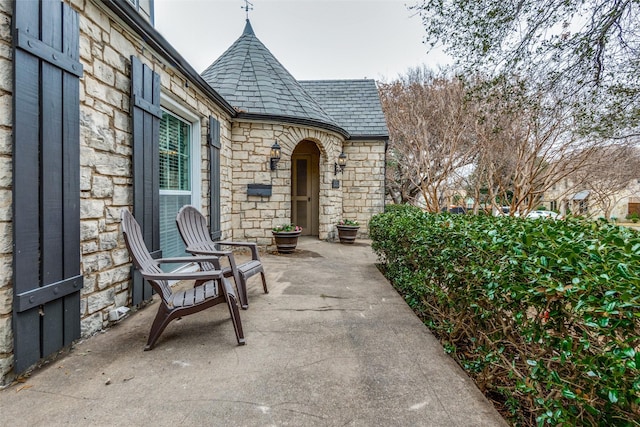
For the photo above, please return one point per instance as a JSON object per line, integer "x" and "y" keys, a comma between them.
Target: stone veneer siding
{"x": 105, "y": 160}
{"x": 105, "y": 139}
{"x": 360, "y": 196}
{"x": 106, "y": 45}
{"x": 363, "y": 182}
{"x": 6, "y": 146}
{"x": 255, "y": 216}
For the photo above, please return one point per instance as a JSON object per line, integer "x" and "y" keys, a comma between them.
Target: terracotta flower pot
{"x": 347, "y": 233}
{"x": 286, "y": 241}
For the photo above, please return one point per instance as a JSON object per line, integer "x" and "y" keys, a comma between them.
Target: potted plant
{"x": 286, "y": 237}
{"x": 347, "y": 231}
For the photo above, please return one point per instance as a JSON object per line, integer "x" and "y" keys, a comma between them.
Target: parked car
{"x": 543, "y": 214}
{"x": 502, "y": 211}
{"x": 454, "y": 209}
{"x": 457, "y": 210}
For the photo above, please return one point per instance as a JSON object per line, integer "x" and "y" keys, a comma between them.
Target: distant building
{"x": 567, "y": 197}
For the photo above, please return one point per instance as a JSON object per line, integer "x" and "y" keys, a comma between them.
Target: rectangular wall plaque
{"x": 259, "y": 190}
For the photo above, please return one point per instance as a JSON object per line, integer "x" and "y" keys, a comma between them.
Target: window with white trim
{"x": 179, "y": 147}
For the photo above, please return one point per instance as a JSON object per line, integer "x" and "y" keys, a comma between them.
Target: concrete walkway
{"x": 332, "y": 344}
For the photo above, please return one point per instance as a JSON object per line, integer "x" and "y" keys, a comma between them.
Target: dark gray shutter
{"x": 214, "y": 178}
{"x": 146, "y": 115}
{"x": 46, "y": 180}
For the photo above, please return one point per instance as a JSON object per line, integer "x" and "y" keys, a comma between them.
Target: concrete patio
{"x": 332, "y": 344}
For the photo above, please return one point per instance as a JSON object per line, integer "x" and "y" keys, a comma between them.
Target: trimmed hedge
{"x": 544, "y": 315}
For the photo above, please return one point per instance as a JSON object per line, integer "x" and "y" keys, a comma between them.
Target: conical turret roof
{"x": 251, "y": 79}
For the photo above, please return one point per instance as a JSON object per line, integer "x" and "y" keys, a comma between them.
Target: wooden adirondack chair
{"x": 193, "y": 228}
{"x": 211, "y": 287}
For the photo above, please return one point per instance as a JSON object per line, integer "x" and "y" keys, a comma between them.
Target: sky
{"x": 312, "y": 39}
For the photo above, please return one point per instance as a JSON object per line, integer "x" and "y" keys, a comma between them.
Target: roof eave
{"x": 294, "y": 121}
{"x": 369, "y": 137}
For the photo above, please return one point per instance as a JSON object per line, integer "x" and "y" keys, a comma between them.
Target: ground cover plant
{"x": 543, "y": 314}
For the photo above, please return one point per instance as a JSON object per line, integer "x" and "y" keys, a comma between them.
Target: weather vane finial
{"x": 247, "y": 7}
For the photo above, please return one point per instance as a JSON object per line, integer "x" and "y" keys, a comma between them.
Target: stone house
{"x": 101, "y": 113}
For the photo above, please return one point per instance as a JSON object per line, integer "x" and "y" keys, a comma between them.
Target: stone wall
{"x": 6, "y": 238}
{"x": 254, "y": 216}
{"x": 105, "y": 160}
{"x": 363, "y": 182}
{"x": 360, "y": 196}
{"x": 105, "y": 139}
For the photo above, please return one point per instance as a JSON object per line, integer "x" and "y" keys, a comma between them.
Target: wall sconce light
{"x": 275, "y": 155}
{"x": 342, "y": 162}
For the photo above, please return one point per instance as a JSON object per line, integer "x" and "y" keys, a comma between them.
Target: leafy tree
{"x": 586, "y": 51}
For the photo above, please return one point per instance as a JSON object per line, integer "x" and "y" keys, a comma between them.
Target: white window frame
{"x": 172, "y": 107}
{"x": 179, "y": 111}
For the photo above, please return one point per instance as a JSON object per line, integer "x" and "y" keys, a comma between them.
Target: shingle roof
{"x": 354, "y": 104}
{"x": 251, "y": 79}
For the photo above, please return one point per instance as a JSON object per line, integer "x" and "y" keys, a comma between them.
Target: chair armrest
{"x": 186, "y": 259}
{"x": 194, "y": 275}
{"x": 237, "y": 243}
{"x": 206, "y": 250}
{"x": 250, "y": 245}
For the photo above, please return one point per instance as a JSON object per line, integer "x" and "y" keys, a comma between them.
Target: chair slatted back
{"x": 193, "y": 228}
{"x": 140, "y": 254}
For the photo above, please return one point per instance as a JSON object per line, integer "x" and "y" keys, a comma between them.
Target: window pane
{"x": 174, "y": 154}
{"x": 170, "y": 240}
{"x": 301, "y": 177}
{"x": 301, "y": 212}
{"x": 175, "y": 177}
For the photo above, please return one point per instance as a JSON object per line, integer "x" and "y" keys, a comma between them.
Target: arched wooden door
{"x": 305, "y": 187}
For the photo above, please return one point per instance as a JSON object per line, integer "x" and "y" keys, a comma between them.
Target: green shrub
{"x": 544, "y": 315}
{"x": 633, "y": 217}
